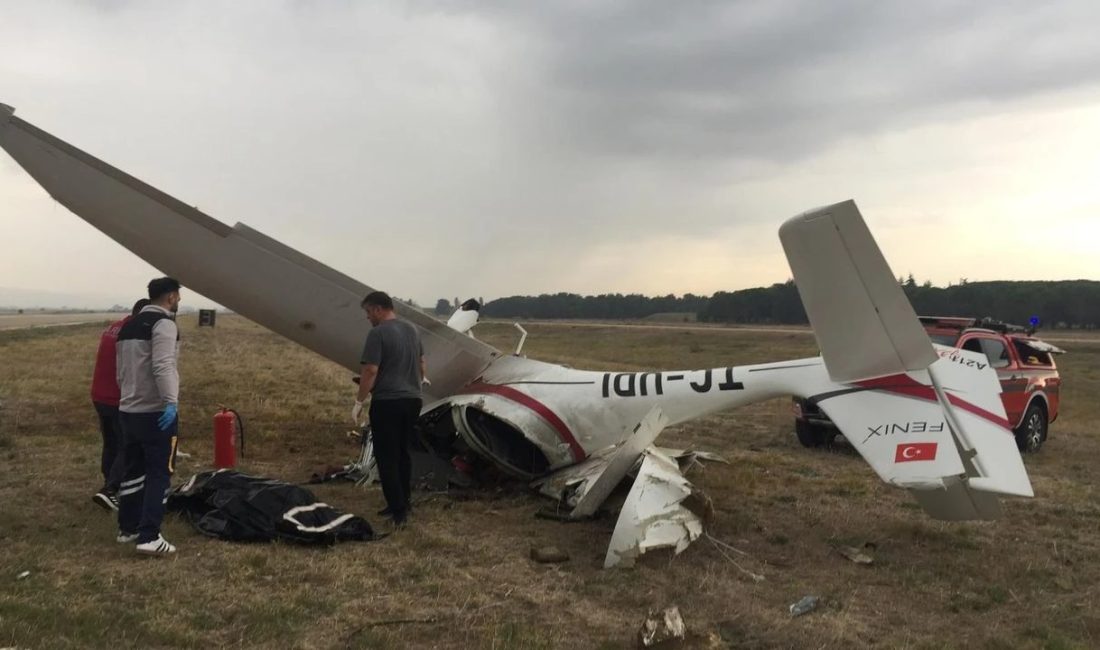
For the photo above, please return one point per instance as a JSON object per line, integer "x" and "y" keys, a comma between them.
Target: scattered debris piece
{"x": 662, "y": 629}
{"x": 804, "y": 606}
{"x": 549, "y": 555}
{"x": 657, "y": 512}
{"x": 23, "y": 575}
{"x": 855, "y": 555}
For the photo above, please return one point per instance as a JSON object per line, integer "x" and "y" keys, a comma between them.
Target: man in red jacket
{"x": 105, "y": 397}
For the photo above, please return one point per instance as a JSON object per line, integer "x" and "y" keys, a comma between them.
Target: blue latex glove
{"x": 167, "y": 418}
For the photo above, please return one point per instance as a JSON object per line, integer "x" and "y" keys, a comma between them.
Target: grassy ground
{"x": 460, "y": 576}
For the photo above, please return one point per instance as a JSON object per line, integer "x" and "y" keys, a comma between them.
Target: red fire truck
{"x": 1030, "y": 384}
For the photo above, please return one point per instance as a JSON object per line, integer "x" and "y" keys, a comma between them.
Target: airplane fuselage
{"x": 566, "y": 415}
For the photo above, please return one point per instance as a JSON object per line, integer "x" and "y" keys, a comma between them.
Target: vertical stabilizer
{"x": 863, "y": 322}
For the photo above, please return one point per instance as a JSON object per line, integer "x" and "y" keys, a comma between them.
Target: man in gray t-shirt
{"x": 391, "y": 374}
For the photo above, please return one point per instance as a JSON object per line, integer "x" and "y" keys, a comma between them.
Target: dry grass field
{"x": 460, "y": 575}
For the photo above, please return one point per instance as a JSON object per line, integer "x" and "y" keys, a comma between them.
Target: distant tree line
{"x": 1066, "y": 303}
{"x": 613, "y": 306}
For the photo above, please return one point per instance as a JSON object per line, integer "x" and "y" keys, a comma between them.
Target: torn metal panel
{"x": 566, "y": 484}
{"x": 689, "y": 458}
{"x": 622, "y": 460}
{"x": 654, "y": 515}
{"x": 587, "y": 485}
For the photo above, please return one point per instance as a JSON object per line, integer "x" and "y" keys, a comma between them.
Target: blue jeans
{"x": 150, "y": 456}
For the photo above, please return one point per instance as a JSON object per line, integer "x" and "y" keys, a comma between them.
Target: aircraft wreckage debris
{"x": 658, "y": 512}
{"x": 664, "y": 629}
{"x": 804, "y": 606}
{"x": 579, "y": 434}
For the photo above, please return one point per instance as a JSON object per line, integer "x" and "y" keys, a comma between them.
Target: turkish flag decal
{"x": 916, "y": 451}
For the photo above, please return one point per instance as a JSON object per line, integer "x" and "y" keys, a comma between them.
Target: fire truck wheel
{"x": 1032, "y": 432}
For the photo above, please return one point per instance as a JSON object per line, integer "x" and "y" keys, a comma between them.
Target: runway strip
{"x": 27, "y": 321}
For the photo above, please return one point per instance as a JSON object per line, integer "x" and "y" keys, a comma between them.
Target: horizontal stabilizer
{"x": 898, "y": 427}
{"x": 864, "y": 324}
{"x": 940, "y": 433}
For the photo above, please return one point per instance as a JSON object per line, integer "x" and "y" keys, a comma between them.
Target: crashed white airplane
{"x": 576, "y": 434}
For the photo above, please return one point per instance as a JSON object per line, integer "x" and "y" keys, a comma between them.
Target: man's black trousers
{"x": 392, "y": 422}
{"x": 150, "y": 461}
{"x": 111, "y": 462}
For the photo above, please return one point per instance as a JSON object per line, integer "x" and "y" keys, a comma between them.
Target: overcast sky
{"x": 442, "y": 149}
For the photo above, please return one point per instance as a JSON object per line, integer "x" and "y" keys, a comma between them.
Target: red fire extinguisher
{"x": 228, "y": 429}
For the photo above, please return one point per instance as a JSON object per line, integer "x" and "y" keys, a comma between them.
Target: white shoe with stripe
{"x": 108, "y": 502}
{"x": 158, "y": 546}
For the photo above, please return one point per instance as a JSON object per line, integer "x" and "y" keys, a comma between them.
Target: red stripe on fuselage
{"x": 906, "y": 385}
{"x": 538, "y": 407}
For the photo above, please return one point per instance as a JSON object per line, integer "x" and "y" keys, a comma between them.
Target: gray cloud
{"x": 775, "y": 80}
{"x": 450, "y": 148}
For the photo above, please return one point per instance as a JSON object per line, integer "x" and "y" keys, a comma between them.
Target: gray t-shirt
{"x": 394, "y": 346}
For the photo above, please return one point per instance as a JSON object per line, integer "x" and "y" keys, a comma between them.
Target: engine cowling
{"x": 512, "y": 435}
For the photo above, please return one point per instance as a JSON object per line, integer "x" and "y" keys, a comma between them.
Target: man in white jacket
{"x": 148, "y": 379}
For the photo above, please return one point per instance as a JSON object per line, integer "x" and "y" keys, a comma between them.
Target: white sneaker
{"x": 108, "y": 502}
{"x": 158, "y": 546}
{"x": 126, "y": 538}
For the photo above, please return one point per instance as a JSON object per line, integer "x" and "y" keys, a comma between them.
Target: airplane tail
{"x": 926, "y": 420}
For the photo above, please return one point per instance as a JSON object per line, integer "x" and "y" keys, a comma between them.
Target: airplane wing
{"x": 241, "y": 268}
